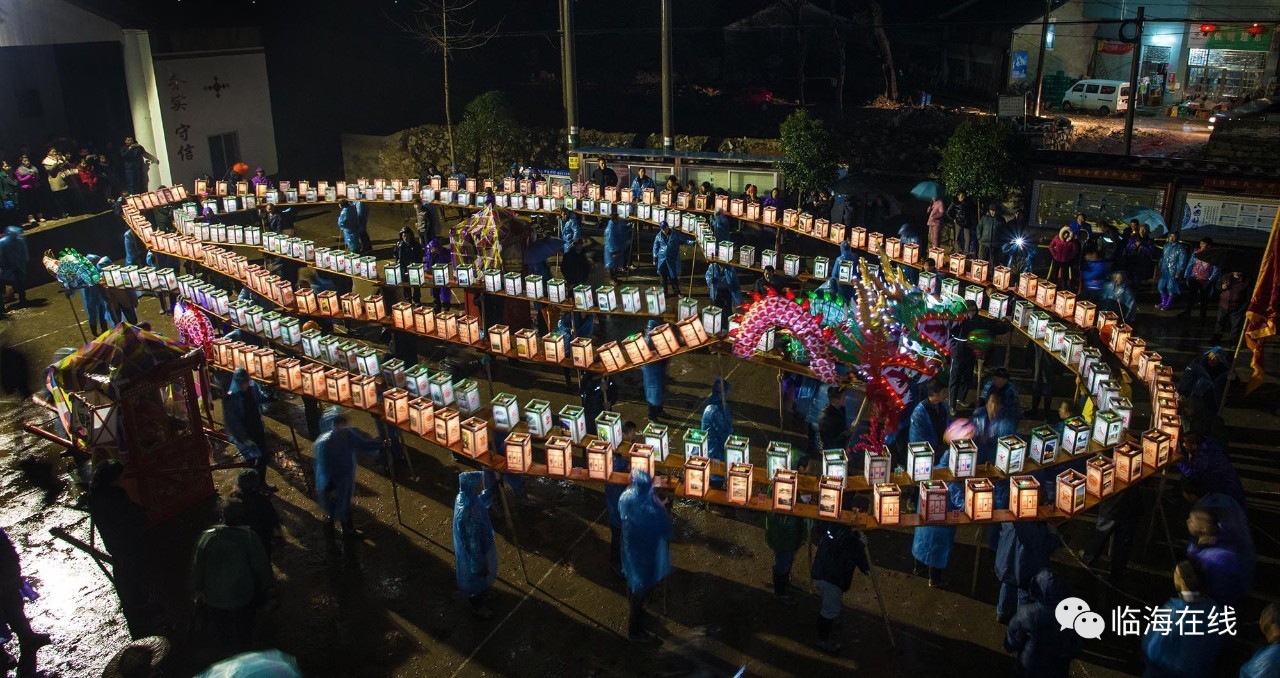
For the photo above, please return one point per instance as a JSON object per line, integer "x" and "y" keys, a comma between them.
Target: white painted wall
{"x": 25, "y": 23}
{"x": 244, "y": 107}
{"x": 144, "y": 105}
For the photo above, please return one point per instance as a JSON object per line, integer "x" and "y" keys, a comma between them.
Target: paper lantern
{"x": 640, "y": 456}
{"x": 418, "y": 381}
{"x": 655, "y": 300}
{"x": 518, "y": 450}
{"x": 609, "y": 428}
{"x": 1022, "y": 310}
{"x": 1147, "y": 364}
{"x": 289, "y": 374}
{"x": 1070, "y": 492}
{"x": 1100, "y": 477}
{"x": 475, "y": 437}
{"x": 448, "y": 427}
{"x": 1010, "y": 453}
{"x": 747, "y": 256}
{"x": 606, "y": 298}
{"x": 1133, "y": 350}
{"x": 830, "y": 493}
{"x": 979, "y": 499}
{"x": 1127, "y": 458}
{"x": 933, "y": 501}
{"x": 1053, "y": 336}
{"x": 447, "y": 324}
{"x": 784, "y": 490}
{"x": 998, "y": 305}
{"x": 599, "y": 460}
{"x": 537, "y": 414}
{"x": 552, "y": 347}
{"x": 837, "y": 233}
{"x": 364, "y": 392}
{"x": 777, "y": 457}
{"x": 556, "y": 291}
{"x": 1085, "y": 313}
{"x": 492, "y": 280}
{"x": 630, "y": 299}
{"x": 500, "y": 339}
{"x": 696, "y": 480}
{"x": 656, "y": 436}
{"x": 327, "y": 302}
{"x": 876, "y": 464}
{"x": 612, "y": 357}
{"x": 957, "y": 264}
{"x": 712, "y": 317}
{"x": 951, "y": 286}
{"x": 1156, "y": 448}
{"x": 963, "y": 457}
{"x": 1123, "y": 407}
{"x": 791, "y": 265}
{"x": 467, "y": 395}
{"x": 1028, "y": 285}
{"x": 893, "y": 248}
{"x": 978, "y": 270}
{"x": 737, "y": 450}
{"x": 1001, "y": 278}
{"x": 1108, "y": 392}
{"x": 1075, "y": 437}
{"x": 582, "y": 352}
{"x": 1024, "y": 497}
{"x": 1072, "y": 345}
{"x": 637, "y": 349}
{"x": 928, "y": 282}
{"x": 1064, "y": 304}
{"x": 1119, "y": 336}
{"x": 1171, "y": 424}
{"x": 1039, "y": 324}
{"x": 835, "y": 463}
{"x": 1043, "y": 445}
{"x": 975, "y": 294}
{"x": 664, "y": 339}
{"x": 887, "y": 504}
{"x": 1046, "y": 294}
{"x": 440, "y": 388}
{"x": 695, "y": 443}
{"x": 821, "y": 267}
{"x": 559, "y": 456}
{"x": 724, "y": 251}
{"x": 526, "y": 343}
{"x": 313, "y": 381}
{"x": 919, "y": 461}
{"x": 468, "y": 329}
{"x": 739, "y": 488}
{"x": 692, "y": 331}
{"x": 422, "y": 416}
{"x": 1105, "y": 321}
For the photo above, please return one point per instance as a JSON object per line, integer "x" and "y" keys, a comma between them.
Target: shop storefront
{"x": 1056, "y": 203}
{"x": 1229, "y": 62}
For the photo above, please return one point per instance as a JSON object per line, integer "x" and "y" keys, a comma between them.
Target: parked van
{"x": 1102, "y": 96}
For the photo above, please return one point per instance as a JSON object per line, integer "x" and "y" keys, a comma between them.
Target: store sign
{"x": 1114, "y": 47}
{"x": 1202, "y": 211}
{"x": 1116, "y": 175}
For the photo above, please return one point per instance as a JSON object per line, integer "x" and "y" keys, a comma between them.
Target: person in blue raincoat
{"x": 655, "y": 377}
{"x": 1118, "y": 295}
{"x": 641, "y": 182}
{"x": 96, "y": 309}
{"x": 1176, "y": 654}
{"x": 1022, "y": 550}
{"x": 931, "y": 546}
{"x": 1228, "y": 575}
{"x": 666, "y": 256}
{"x": 617, "y": 238}
{"x": 1044, "y": 649}
{"x": 335, "y": 468}
{"x": 134, "y": 251}
{"x": 349, "y": 224}
{"x": 612, "y": 495}
{"x": 438, "y": 253}
{"x": 243, "y": 422}
{"x": 475, "y": 556}
{"x": 845, "y": 290}
{"x": 717, "y": 421}
{"x": 1265, "y": 663}
{"x": 929, "y": 418}
{"x": 726, "y": 292}
{"x": 998, "y": 380}
{"x": 362, "y": 221}
{"x": 570, "y": 227}
{"x": 14, "y": 257}
{"x": 721, "y": 226}
{"x": 646, "y": 557}
{"x": 1170, "y": 270}
{"x": 991, "y": 423}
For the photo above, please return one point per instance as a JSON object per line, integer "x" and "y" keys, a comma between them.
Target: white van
{"x": 1102, "y": 96}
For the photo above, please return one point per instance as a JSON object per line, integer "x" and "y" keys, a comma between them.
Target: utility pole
{"x": 1133, "y": 82}
{"x": 568, "y": 73}
{"x": 668, "y": 139}
{"x": 1044, "y": 43}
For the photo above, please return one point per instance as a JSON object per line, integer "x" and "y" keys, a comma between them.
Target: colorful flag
{"x": 1260, "y": 318}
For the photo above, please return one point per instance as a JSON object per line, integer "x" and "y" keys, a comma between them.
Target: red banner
{"x": 1260, "y": 319}
{"x": 1114, "y": 47}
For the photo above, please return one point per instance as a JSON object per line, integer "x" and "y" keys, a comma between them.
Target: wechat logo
{"x": 1074, "y": 613}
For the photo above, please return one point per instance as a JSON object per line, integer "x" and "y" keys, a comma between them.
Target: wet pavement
{"x": 387, "y": 605}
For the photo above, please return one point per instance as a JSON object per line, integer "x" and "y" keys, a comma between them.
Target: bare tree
{"x": 841, "y": 35}
{"x": 886, "y": 53}
{"x": 441, "y": 28}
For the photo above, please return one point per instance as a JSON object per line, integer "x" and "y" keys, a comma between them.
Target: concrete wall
{"x": 244, "y": 107}
{"x": 32, "y": 73}
{"x": 51, "y": 22}
{"x": 1251, "y": 142}
{"x": 1073, "y": 46}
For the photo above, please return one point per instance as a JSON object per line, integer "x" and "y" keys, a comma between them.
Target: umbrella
{"x": 264, "y": 664}
{"x": 542, "y": 249}
{"x": 928, "y": 191}
{"x": 1220, "y": 256}
{"x": 1153, "y": 220}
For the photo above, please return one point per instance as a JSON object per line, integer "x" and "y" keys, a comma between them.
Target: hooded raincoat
{"x": 14, "y": 256}
{"x": 570, "y": 228}
{"x": 242, "y": 418}
{"x": 1174, "y": 655}
{"x": 1044, "y": 648}
{"x": 721, "y": 226}
{"x": 932, "y": 545}
{"x": 1022, "y": 550}
{"x": 717, "y": 419}
{"x": 666, "y": 253}
{"x": 1173, "y": 261}
{"x": 617, "y": 237}
{"x": 654, "y": 373}
{"x": 474, "y": 553}
{"x": 990, "y": 430}
{"x": 335, "y": 463}
{"x": 646, "y": 529}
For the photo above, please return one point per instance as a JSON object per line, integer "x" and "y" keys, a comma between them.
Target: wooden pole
{"x": 506, "y": 510}
{"x": 77, "y": 317}
{"x": 395, "y": 490}
{"x": 1235, "y": 357}
{"x": 875, "y": 586}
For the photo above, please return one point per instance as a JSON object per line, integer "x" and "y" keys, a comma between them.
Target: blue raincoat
{"x": 613, "y": 492}
{"x": 584, "y": 323}
{"x": 847, "y": 253}
{"x": 717, "y": 419}
{"x": 1094, "y": 276}
{"x": 1120, "y": 296}
{"x": 1044, "y": 648}
{"x": 722, "y": 280}
{"x": 1175, "y": 654}
{"x": 570, "y": 230}
{"x": 1213, "y": 469}
{"x": 1264, "y": 664}
{"x": 666, "y": 253}
{"x": 1173, "y": 261}
{"x": 989, "y": 431}
{"x": 654, "y": 373}
{"x": 932, "y": 545}
{"x": 922, "y": 430}
{"x": 908, "y": 235}
{"x": 134, "y": 252}
{"x": 349, "y": 218}
{"x": 362, "y": 216}
{"x": 475, "y": 555}
{"x": 721, "y": 226}
{"x": 617, "y": 237}
{"x": 639, "y": 184}
{"x": 14, "y": 255}
{"x": 1022, "y": 550}
{"x": 1227, "y": 577}
{"x": 335, "y": 463}
{"x": 646, "y": 529}
{"x": 241, "y": 417}
{"x": 1009, "y": 404}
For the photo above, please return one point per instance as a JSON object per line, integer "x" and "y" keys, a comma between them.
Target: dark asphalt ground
{"x": 387, "y": 606}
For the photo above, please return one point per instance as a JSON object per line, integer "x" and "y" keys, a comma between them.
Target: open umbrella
{"x": 263, "y": 664}
{"x": 1224, "y": 258}
{"x": 542, "y": 249}
{"x": 1153, "y": 220}
{"x": 928, "y": 191}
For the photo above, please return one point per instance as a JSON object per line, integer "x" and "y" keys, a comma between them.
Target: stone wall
{"x": 1246, "y": 142}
